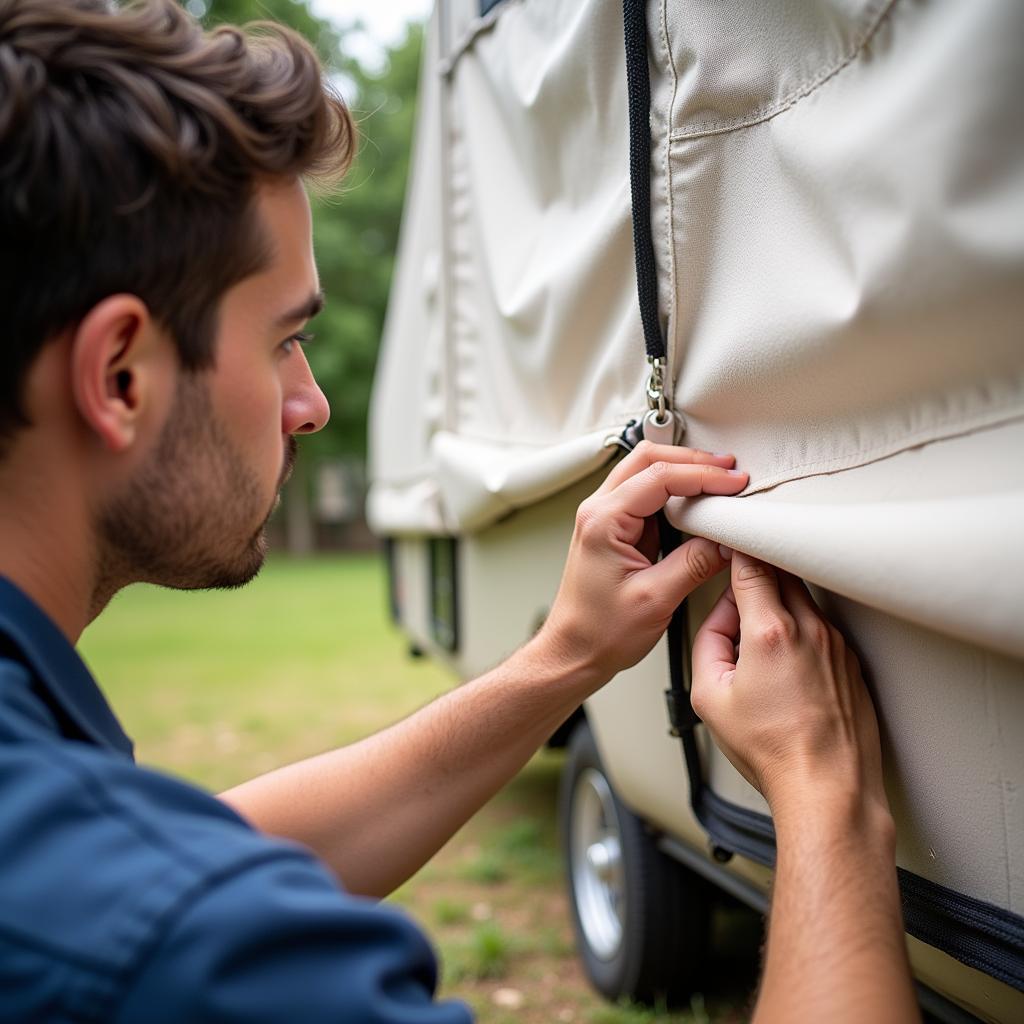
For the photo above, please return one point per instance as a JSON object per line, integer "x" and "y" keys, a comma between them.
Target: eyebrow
{"x": 306, "y": 310}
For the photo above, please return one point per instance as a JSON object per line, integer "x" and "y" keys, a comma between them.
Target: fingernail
{"x": 736, "y": 472}
{"x": 725, "y": 552}
{"x": 722, "y": 455}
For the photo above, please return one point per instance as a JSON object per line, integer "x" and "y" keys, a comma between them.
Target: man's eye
{"x": 299, "y": 337}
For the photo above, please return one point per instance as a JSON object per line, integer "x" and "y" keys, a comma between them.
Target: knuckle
{"x": 698, "y": 563}
{"x": 820, "y": 636}
{"x": 699, "y": 702}
{"x": 658, "y": 470}
{"x": 587, "y": 517}
{"x": 774, "y": 633}
{"x": 643, "y": 595}
{"x": 643, "y": 450}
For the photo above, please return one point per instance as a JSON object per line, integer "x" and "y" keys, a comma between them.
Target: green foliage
{"x": 293, "y": 13}
{"x": 356, "y": 231}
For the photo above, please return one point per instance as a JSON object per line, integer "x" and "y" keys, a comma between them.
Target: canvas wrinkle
{"x": 470, "y": 33}
{"x": 797, "y": 93}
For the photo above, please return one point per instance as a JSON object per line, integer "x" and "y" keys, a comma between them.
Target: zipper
{"x": 660, "y": 424}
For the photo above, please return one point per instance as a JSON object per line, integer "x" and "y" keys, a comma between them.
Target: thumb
{"x": 755, "y": 585}
{"x": 680, "y": 573}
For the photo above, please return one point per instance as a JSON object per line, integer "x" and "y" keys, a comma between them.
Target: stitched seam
{"x": 926, "y": 435}
{"x": 670, "y": 255}
{"x": 616, "y": 423}
{"x": 800, "y": 92}
{"x": 891, "y": 439}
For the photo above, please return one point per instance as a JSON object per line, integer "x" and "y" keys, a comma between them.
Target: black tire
{"x": 664, "y": 910}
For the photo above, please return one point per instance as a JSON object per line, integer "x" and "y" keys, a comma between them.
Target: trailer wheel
{"x": 642, "y": 920}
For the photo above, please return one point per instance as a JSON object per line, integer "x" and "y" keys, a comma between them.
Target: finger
{"x": 680, "y": 573}
{"x": 798, "y": 600}
{"x": 645, "y": 493}
{"x": 646, "y": 453}
{"x": 714, "y": 646}
{"x": 755, "y": 585}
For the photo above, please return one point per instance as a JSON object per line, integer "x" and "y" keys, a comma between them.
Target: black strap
{"x": 983, "y": 936}
{"x": 638, "y": 86}
{"x": 731, "y": 828}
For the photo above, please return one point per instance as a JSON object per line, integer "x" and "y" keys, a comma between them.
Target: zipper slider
{"x": 656, "y": 386}
{"x": 659, "y": 422}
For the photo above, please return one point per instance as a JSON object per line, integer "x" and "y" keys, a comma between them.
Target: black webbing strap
{"x": 682, "y": 717}
{"x": 638, "y": 86}
{"x": 731, "y": 828}
{"x": 981, "y": 935}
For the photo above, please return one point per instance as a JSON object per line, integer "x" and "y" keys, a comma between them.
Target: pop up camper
{"x": 826, "y": 277}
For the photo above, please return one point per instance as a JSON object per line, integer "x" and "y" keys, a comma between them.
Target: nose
{"x": 304, "y": 409}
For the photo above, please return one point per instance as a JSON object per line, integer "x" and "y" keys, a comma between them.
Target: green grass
{"x": 447, "y": 912}
{"x": 525, "y": 849}
{"x": 485, "y": 955}
{"x": 221, "y": 686}
{"x": 218, "y": 687}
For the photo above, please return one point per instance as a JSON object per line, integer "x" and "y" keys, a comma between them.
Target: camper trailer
{"x": 789, "y": 230}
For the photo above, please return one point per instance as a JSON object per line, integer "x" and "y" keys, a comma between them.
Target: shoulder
{"x": 279, "y": 941}
{"x": 129, "y": 895}
{"x": 95, "y": 852}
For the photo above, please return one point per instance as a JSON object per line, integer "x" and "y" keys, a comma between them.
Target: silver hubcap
{"x": 597, "y": 878}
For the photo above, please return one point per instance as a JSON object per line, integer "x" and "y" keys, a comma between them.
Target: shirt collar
{"x": 64, "y": 681}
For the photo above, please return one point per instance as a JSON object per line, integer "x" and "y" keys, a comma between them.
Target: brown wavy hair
{"x": 131, "y": 142}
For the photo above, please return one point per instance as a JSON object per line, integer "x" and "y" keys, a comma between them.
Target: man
{"x": 156, "y": 274}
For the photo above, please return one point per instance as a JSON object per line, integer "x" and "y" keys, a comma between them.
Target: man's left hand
{"x": 616, "y": 598}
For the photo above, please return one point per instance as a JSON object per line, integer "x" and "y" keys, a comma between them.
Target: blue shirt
{"x": 126, "y": 895}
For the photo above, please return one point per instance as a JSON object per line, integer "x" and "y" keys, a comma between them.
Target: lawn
{"x": 218, "y": 687}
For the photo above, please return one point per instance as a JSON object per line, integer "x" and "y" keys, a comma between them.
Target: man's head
{"x": 155, "y": 258}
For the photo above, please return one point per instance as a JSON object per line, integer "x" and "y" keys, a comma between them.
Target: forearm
{"x": 377, "y": 810}
{"x": 836, "y": 949}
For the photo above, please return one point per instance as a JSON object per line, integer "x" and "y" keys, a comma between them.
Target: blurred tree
{"x": 355, "y": 230}
{"x": 356, "y": 234}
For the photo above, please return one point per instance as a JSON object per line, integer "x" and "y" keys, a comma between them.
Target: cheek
{"x": 253, "y": 415}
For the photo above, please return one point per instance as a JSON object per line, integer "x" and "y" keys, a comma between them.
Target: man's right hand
{"x": 783, "y": 697}
{"x": 782, "y": 693}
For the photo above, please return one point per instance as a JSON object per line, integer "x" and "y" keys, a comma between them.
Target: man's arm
{"x": 377, "y": 810}
{"x": 789, "y": 708}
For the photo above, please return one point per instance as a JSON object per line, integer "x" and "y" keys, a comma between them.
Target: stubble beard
{"x": 186, "y": 519}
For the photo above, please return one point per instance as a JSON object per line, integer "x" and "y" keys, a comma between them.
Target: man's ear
{"x": 112, "y": 371}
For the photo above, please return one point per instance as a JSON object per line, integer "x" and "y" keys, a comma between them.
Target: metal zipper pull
{"x": 660, "y": 424}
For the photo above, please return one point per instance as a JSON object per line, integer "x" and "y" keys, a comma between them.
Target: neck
{"x": 46, "y": 541}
